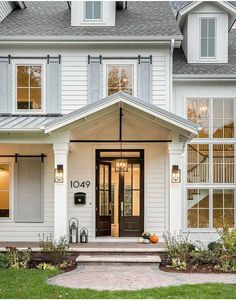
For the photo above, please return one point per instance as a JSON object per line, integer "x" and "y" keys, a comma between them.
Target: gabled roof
{"x": 52, "y": 19}
{"x": 122, "y": 98}
{"x": 187, "y": 6}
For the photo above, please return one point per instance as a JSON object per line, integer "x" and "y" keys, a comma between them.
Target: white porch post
{"x": 176, "y": 191}
{"x": 60, "y": 191}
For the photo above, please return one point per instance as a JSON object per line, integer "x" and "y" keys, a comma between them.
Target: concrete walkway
{"x": 131, "y": 277}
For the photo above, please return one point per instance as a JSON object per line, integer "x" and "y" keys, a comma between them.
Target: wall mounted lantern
{"x": 58, "y": 174}
{"x": 74, "y": 228}
{"x": 83, "y": 235}
{"x": 176, "y": 174}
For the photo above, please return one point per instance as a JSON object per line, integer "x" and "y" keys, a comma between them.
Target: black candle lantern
{"x": 74, "y": 230}
{"x": 83, "y": 235}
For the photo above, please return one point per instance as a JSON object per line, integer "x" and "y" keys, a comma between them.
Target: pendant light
{"x": 121, "y": 165}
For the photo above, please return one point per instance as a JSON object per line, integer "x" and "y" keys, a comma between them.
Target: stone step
{"x": 118, "y": 259}
{"x": 151, "y": 250}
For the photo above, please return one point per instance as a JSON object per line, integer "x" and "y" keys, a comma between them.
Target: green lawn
{"x": 32, "y": 284}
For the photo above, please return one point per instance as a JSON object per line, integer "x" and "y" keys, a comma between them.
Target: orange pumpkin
{"x": 154, "y": 239}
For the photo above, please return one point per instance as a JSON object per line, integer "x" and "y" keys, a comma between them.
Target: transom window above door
{"x": 28, "y": 87}
{"x": 120, "y": 79}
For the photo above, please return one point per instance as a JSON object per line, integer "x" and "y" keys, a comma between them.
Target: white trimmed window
{"x": 210, "y": 172}
{"x": 29, "y": 96}
{"x": 208, "y": 37}
{"x": 93, "y": 10}
{"x": 120, "y": 79}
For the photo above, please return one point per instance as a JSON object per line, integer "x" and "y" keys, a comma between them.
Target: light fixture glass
{"x": 58, "y": 174}
{"x": 121, "y": 165}
{"x": 176, "y": 174}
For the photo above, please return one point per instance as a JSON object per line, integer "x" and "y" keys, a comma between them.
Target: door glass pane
{"x": 103, "y": 203}
{"x": 101, "y": 177}
{"x": 136, "y": 176}
{"x": 136, "y": 203}
{"x": 127, "y": 203}
{"x": 128, "y": 178}
{"x": 4, "y": 190}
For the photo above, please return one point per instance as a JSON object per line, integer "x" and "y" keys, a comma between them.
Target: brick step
{"x": 119, "y": 259}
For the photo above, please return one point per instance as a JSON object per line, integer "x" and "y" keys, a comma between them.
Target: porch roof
{"x": 121, "y": 97}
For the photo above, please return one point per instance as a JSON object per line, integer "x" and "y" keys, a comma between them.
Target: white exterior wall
{"x": 81, "y": 166}
{"x": 204, "y": 89}
{"x": 11, "y": 231}
{"x": 5, "y": 9}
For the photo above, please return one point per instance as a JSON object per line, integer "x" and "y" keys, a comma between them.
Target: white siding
{"x": 11, "y": 231}
{"x": 81, "y": 167}
{"x": 5, "y": 9}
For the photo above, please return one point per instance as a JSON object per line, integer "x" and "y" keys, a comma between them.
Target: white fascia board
{"x": 149, "y": 111}
{"x": 90, "y": 40}
{"x": 203, "y": 77}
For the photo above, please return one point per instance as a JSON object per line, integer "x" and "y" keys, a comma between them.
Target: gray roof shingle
{"x": 52, "y": 18}
{"x": 180, "y": 65}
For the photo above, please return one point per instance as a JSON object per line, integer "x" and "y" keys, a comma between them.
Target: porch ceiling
{"x": 141, "y": 120}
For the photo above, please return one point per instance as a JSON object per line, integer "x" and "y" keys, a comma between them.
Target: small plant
{"x": 55, "y": 251}
{"x": 4, "y": 261}
{"x": 18, "y": 259}
{"x": 178, "y": 249}
{"x": 46, "y": 266}
{"x": 146, "y": 235}
{"x": 228, "y": 239}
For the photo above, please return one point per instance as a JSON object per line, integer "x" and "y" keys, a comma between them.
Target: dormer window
{"x": 208, "y": 37}
{"x": 93, "y": 10}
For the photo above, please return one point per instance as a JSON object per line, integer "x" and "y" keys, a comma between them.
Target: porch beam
{"x": 118, "y": 141}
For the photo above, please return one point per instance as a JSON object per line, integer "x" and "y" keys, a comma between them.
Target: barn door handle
{"x": 122, "y": 208}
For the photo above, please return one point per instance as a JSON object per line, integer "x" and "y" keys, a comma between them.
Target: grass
{"x": 30, "y": 284}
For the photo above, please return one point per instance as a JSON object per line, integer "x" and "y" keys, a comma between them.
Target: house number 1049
{"x": 77, "y": 184}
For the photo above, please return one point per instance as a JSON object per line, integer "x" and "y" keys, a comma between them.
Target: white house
{"x": 120, "y": 114}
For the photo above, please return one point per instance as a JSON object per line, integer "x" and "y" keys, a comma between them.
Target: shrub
{"x": 4, "y": 261}
{"x": 215, "y": 246}
{"x": 228, "y": 239}
{"x": 45, "y": 266}
{"x": 18, "y": 259}
{"x": 178, "y": 249}
{"x": 54, "y": 251}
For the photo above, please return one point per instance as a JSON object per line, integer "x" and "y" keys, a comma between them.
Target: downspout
{"x": 172, "y": 46}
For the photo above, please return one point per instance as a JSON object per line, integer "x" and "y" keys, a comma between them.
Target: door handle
{"x": 122, "y": 208}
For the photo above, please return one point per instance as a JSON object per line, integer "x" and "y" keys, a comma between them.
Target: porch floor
{"x": 94, "y": 246}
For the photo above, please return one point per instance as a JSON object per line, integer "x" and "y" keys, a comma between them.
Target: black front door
{"x": 103, "y": 199}
{"x": 131, "y": 204}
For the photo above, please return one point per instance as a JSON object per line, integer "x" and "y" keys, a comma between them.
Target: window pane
{"x": 120, "y": 78}
{"x": 229, "y": 108}
{"x": 203, "y": 47}
{"x": 22, "y": 98}
{"x": 97, "y": 10}
{"x": 192, "y": 218}
{"x": 229, "y": 217}
{"x": 218, "y": 199}
{"x": 192, "y": 109}
{"x": 228, "y": 163}
{"x": 35, "y": 76}
{"x": 211, "y": 28}
{"x": 22, "y": 76}
{"x": 217, "y": 218}
{"x": 203, "y": 218}
{"x": 228, "y": 198}
{"x": 218, "y": 108}
{"x": 211, "y": 47}
{"x": 89, "y": 9}
{"x": 136, "y": 203}
{"x": 203, "y": 28}
{"x": 136, "y": 176}
{"x": 35, "y": 98}
{"x": 218, "y": 164}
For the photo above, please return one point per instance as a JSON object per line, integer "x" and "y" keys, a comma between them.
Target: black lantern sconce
{"x": 74, "y": 230}
{"x": 176, "y": 174}
{"x": 58, "y": 174}
{"x": 83, "y": 235}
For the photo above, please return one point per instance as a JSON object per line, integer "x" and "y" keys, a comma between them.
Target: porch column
{"x": 176, "y": 189}
{"x": 60, "y": 191}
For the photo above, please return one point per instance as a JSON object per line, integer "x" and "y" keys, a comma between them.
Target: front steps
{"x": 118, "y": 254}
{"x": 119, "y": 258}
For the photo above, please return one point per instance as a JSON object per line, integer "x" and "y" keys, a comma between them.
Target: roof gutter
{"x": 204, "y": 77}
{"x": 91, "y": 40}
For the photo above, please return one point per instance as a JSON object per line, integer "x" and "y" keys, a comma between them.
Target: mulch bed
{"x": 197, "y": 269}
